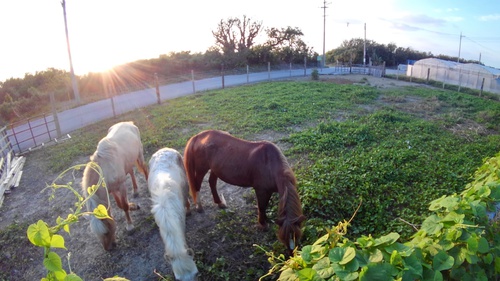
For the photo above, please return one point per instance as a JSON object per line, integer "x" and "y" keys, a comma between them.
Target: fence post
{"x": 192, "y": 79}
{"x": 411, "y": 74}
{"x": 112, "y": 101}
{"x": 269, "y": 70}
{"x": 482, "y": 85}
{"x": 54, "y": 113}
{"x": 248, "y": 73}
{"x": 290, "y": 69}
{"x": 157, "y": 85}
{"x": 222, "y": 72}
{"x": 305, "y": 66}
{"x": 428, "y": 74}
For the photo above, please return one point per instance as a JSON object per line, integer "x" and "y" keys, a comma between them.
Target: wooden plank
{"x": 10, "y": 180}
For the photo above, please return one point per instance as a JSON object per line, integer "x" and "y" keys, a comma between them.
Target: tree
{"x": 236, "y": 36}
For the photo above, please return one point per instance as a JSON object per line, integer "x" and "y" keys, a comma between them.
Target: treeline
{"x": 351, "y": 52}
{"x": 234, "y": 50}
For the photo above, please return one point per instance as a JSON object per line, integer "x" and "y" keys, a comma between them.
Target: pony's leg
{"x": 212, "y": 181}
{"x": 263, "y": 198}
{"x": 198, "y": 179}
{"x": 134, "y": 183}
{"x": 122, "y": 202}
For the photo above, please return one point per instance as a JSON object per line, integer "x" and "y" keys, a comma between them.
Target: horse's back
{"x": 166, "y": 166}
{"x": 236, "y": 161}
{"x": 125, "y": 134}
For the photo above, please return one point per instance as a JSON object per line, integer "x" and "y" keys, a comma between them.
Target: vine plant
{"x": 459, "y": 241}
{"x": 41, "y": 234}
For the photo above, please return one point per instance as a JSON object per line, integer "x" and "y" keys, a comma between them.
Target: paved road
{"x": 43, "y": 130}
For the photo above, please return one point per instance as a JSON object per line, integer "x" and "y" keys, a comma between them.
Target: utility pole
{"x": 324, "y": 32}
{"x": 73, "y": 78}
{"x": 460, "y": 47}
{"x": 364, "y": 49}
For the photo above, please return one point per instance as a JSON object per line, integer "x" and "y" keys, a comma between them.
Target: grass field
{"x": 391, "y": 150}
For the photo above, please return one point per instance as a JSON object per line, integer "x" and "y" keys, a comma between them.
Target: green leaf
{"x": 306, "y": 274}
{"x": 453, "y": 217}
{"x": 402, "y": 249}
{"x": 345, "y": 273}
{"x": 101, "y": 212}
{"x": 322, "y": 240}
{"x": 73, "y": 277}
{"x": 377, "y": 272}
{"x": 288, "y": 275}
{"x": 442, "y": 261}
{"x": 376, "y": 256}
{"x": 472, "y": 244}
{"x": 483, "y": 246}
{"x": 432, "y": 225}
{"x": 387, "y": 239}
{"x": 323, "y": 268}
{"x": 53, "y": 262}
{"x": 349, "y": 255}
{"x": 38, "y": 234}
{"x": 447, "y": 202}
{"x": 413, "y": 266}
{"x": 396, "y": 258}
{"x": 57, "y": 241}
{"x": 488, "y": 259}
{"x": 306, "y": 253}
{"x": 497, "y": 265}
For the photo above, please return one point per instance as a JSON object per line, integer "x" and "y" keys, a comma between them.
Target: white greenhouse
{"x": 468, "y": 75}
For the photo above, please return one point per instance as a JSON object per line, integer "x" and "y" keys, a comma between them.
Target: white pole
{"x": 364, "y": 49}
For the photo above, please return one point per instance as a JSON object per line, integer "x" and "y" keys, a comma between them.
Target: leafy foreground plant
{"x": 459, "y": 241}
{"x": 42, "y": 235}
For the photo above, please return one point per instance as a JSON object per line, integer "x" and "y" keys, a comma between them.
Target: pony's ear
{"x": 190, "y": 252}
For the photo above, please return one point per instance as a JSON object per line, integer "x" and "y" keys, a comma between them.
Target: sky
{"x": 105, "y": 33}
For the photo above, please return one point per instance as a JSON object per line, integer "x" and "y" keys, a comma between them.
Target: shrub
{"x": 315, "y": 74}
{"x": 460, "y": 240}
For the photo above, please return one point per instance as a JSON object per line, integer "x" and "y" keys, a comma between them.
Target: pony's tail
{"x": 141, "y": 164}
{"x": 190, "y": 167}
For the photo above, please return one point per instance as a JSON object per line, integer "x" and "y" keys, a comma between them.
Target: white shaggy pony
{"x": 117, "y": 153}
{"x": 169, "y": 189}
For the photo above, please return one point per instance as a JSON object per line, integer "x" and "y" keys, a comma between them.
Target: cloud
{"x": 454, "y": 19}
{"x": 493, "y": 17}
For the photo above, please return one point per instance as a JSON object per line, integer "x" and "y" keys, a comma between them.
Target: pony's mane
{"x": 91, "y": 177}
{"x": 169, "y": 212}
{"x": 289, "y": 209}
{"x": 106, "y": 149}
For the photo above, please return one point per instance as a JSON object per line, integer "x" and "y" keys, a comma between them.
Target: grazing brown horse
{"x": 116, "y": 155}
{"x": 258, "y": 164}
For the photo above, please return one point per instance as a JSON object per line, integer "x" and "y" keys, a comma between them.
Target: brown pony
{"x": 258, "y": 164}
{"x": 116, "y": 155}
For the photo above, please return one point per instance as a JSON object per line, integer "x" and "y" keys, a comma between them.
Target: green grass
{"x": 348, "y": 144}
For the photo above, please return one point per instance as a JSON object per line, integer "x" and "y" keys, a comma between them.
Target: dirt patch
{"x": 222, "y": 240}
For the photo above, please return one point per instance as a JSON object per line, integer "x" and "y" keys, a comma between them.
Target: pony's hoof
{"x": 222, "y": 206}
{"x": 200, "y": 209}
{"x": 130, "y": 227}
{"x": 261, "y": 227}
{"x": 188, "y": 212}
{"x": 134, "y": 207}
{"x": 136, "y": 194}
